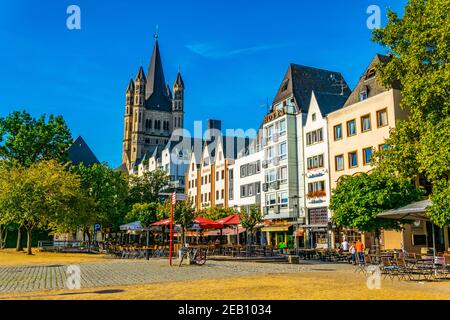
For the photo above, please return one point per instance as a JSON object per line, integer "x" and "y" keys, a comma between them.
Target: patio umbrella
{"x": 204, "y": 223}
{"x": 233, "y": 220}
{"x": 164, "y": 222}
{"x": 413, "y": 211}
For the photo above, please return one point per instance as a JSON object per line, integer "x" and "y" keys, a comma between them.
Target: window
{"x": 383, "y": 146}
{"x": 282, "y": 127}
{"x": 258, "y": 166}
{"x": 370, "y": 74}
{"x": 314, "y": 117}
{"x": 250, "y": 190}
{"x": 382, "y": 118}
{"x": 338, "y": 132}
{"x": 316, "y": 186}
{"x": 223, "y": 193}
{"x": 271, "y": 199}
{"x": 353, "y": 159}
{"x": 351, "y": 128}
{"x": 283, "y": 174}
{"x": 271, "y": 176}
{"x": 283, "y": 199}
{"x": 314, "y": 137}
{"x": 315, "y": 162}
{"x": 223, "y": 174}
{"x": 339, "y": 162}
{"x": 270, "y": 153}
{"x": 363, "y": 95}
{"x": 284, "y": 86}
{"x": 367, "y": 156}
{"x": 243, "y": 171}
{"x": 217, "y": 176}
{"x": 258, "y": 187}
{"x": 366, "y": 123}
{"x": 283, "y": 150}
{"x": 217, "y": 194}
{"x": 270, "y": 133}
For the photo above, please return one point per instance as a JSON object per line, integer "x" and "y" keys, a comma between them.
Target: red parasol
{"x": 232, "y": 220}
{"x": 207, "y": 224}
{"x": 164, "y": 222}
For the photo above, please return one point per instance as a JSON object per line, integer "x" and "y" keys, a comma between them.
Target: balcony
{"x": 316, "y": 194}
{"x": 275, "y": 185}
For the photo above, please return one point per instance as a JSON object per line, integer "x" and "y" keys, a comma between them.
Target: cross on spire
{"x": 156, "y": 35}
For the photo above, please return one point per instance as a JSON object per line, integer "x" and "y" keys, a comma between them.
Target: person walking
{"x": 353, "y": 252}
{"x": 360, "y": 251}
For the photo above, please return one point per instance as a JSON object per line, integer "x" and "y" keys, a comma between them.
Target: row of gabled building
{"x": 317, "y": 131}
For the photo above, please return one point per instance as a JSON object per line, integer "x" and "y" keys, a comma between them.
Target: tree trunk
{"x": 184, "y": 236}
{"x": 3, "y": 236}
{"x": 29, "y": 250}
{"x": 19, "y": 246}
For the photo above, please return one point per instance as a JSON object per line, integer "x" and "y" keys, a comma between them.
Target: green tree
{"x": 107, "y": 191}
{"x": 419, "y": 42}
{"x": 249, "y": 219}
{"x": 216, "y": 213}
{"x": 184, "y": 215}
{"x": 147, "y": 188}
{"x": 25, "y": 140}
{"x": 357, "y": 201}
{"x": 146, "y": 213}
{"x": 37, "y": 196}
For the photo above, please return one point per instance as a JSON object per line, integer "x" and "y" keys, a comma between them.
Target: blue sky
{"x": 232, "y": 54}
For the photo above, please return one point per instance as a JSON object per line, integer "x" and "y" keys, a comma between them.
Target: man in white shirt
{"x": 344, "y": 245}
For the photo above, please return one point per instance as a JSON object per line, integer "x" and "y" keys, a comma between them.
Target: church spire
{"x": 156, "y": 84}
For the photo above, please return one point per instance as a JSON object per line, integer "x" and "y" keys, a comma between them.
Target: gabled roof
{"x": 79, "y": 152}
{"x": 156, "y": 91}
{"x": 300, "y": 81}
{"x": 329, "y": 102}
{"x": 141, "y": 74}
{"x": 368, "y": 82}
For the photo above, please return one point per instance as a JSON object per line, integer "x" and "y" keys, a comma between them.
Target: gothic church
{"x": 152, "y": 112}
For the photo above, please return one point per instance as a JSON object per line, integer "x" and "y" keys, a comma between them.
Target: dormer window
{"x": 370, "y": 74}
{"x": 363, "y": 95}
{"x": 284, "y": 86}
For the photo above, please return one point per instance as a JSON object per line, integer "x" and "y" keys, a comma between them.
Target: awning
{"x": 413, "y": 211}
{"x": 133, "y": 226}
{"x": 276, "y": 229}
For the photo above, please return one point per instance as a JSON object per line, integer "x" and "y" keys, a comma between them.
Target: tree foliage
{"x": 147, "y": 188}
{"x": 216, "y": 213}
{"x": 357, "y": 200}
{"x": 25, "y": 140}
{"x": 250, "y": 218}
{"x": 38, "y": 196}
{"x": 107, "y": 191}
{"x": 420, "y": 46}
{"x": 146, "y": 213}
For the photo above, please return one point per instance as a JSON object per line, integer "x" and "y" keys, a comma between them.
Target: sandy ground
{"x": 341, "y": 284}
{"x": 9, "y": 257}
{"x": 304, "y": 286}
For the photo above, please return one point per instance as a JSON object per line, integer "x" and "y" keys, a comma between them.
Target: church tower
{"x": 152, "y": 112}
{"x": 128, "y": 122}
{"x": 178, "y": 103}
{"x": 137, "y": 144}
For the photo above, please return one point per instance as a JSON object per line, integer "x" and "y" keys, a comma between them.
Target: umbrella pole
{"x": 434, "y": 242}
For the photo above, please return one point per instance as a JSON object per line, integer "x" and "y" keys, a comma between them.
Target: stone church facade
{"x": 152, "y": 112}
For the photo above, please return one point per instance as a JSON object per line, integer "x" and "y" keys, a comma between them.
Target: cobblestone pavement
{"x": 128, "y": 272}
